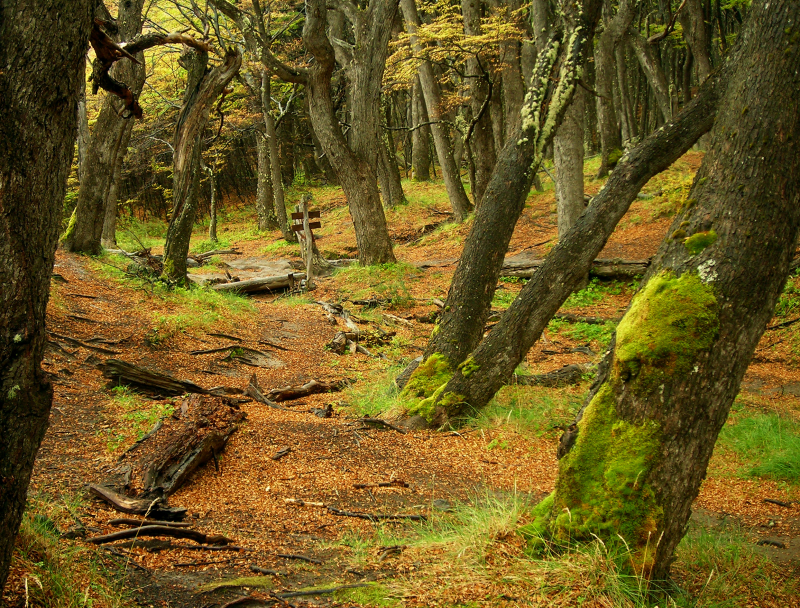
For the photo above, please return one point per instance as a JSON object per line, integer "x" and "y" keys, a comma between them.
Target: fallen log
{"x": 196, "y": 433}
{"x": 195, "y": 535}
{"x": 254, "y": 391}
{"x": 623, "y": 270}
{"x": 137, "y": 506}
{"x": 312, "y": 387}
{"x": 254, "y": 358}
{"x": 261, "y": 284}
{"x": 146, "y": 380}
{"x": 138, "y": 523}
{"x": 569, "y": 374}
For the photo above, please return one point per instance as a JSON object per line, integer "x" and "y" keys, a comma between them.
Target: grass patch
{"x": 281, "y": 248}
{"x": 768, "y": 443}
{"x": 531, "y": 410}
{"x": 133, "y": 234}
{"x": 139, "y": 414}
{"x": 595, "y": 292}
{"x": 384, "y": 281}
{"x": 209, "y": 245}
{"x": 584, "y": 332}
{"x": 59, "y": 573}
{"x": 375, "y": 396}
{"x": 374, "y": 594}
{"x": 503, "y": 297}
{"x": 789, "y": 302}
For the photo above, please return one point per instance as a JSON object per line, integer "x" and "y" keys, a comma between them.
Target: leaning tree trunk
{"x": 42, "y": 61}
{"x": 469, "y": 299}
{"x": 202, "y": 90}
{"x": 106, "y": 145}
{"x": 485, "y": 370}
{"x": 432, "y": 93}
{"x": 645, "y": 439}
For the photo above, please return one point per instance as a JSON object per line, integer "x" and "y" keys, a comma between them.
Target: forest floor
{"x": 474, "y": 487}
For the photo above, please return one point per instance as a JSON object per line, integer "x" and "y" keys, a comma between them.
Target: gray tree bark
{"x": 652, "y": 69}
{"x": 568, "y": 157}
{"x": 39, "y": 88}
{"x": 202, "y": 89}
{"x": 105, "y": 145}
{"x": 420, "y": 136}
{"x": 109, "y": 235}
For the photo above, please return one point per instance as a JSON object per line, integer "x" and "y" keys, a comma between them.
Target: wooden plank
{"x": 312, "y": 215}
{"x": 311, "y": 226}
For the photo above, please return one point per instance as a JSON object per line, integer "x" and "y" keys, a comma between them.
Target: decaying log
{"x": 195, "y": 535}
{"x": 623, "y": 270}
{"x": 196, "y": 433}
{"x": 569, "y": 374}
{"x": 312, "y": 387}
{"x": 145, "y": 380}
{"x": 275, "y": 283}
{"x": 137, "y": 506}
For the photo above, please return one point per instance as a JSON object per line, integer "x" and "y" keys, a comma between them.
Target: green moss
{"x": 374, "y": 594}
{"x": 468, "y": 367}
{"x": 70, "y": 226}
{"x": 668, "y": 322}
{"x": 699, "y": 241}
{"x": 614, "y": 156}
{"x": 601, "y": 488}
{"x": 679, "y": 234}
{"x": 425, "y": 386}
{"x": 534, "y": 531}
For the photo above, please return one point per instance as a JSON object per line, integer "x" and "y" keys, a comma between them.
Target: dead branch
{"x": 137, "y": 506}
{"x": 383, "y": 423}
{"x": 299, "y": 557}
{"x": 195, "y": 535}
{"x": 374, "y": 516}
{"x": 138, "y": 523}
{"x": 312, "y": 387}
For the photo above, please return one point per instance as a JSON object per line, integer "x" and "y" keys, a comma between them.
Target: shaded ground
{"x": 245, "y": 498}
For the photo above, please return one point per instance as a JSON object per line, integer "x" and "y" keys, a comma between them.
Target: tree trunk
{"x": 85, "y": 232}
{"x": 39, "y": 87}
{"x": 389, "y": 176}
{"x": 420, "y": 136}
{"x": 694, "y": 30}
{"x": 610, "y": 141}
{"x": 109, "y": 234}
{"x": 568, "y": 157}
{"x": 202, "y": 90}
{"x": 469, "y": 299}
{"x": 653, "y": 71}
{"x": 645, "y": 438}
{"x": 483, "y": 373}
{"x": 355, "y": 168}
{"x": 433, "y": 97}
{"x": 265, "y": 191}
{"x": 482, "y": 144}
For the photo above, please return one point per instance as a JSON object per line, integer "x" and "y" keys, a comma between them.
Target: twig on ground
{"x": 304, "y": 558}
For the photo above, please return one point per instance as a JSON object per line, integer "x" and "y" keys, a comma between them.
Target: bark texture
{"x": 645, "y": 438}
{"x": 39, "y": 86}
{"x": 108, "y": 141}
{"x": 568, "y": 160}
{"x": 202, "y": 90}
{"x": 483, "y": 373}
{"x": 469, "y": 300}
{"x": 420, "y": 136}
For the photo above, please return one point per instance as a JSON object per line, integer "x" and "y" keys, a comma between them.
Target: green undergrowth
{"x": 281, "y": 248}
{"x": 373, "y": 594}
{"x": 61, "y": 573}
{"x": 384, "y": 281}
{"x": 374, "y": 396}
{"x": 133, "y": 234}
{"x": 531, "y": 410}
{"x": 767, "y": 443}
{"x": 137, "y": 416}
{"x": 600, "y": 335}
{"x": 478, "y": 549}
